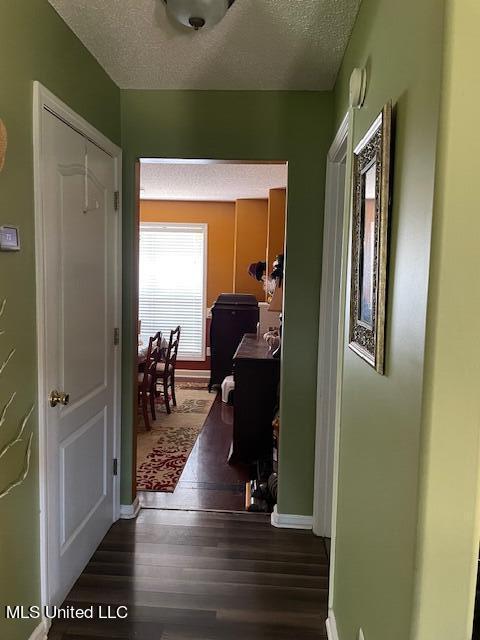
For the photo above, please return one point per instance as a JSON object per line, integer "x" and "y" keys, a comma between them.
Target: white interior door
{"x": 80, "y": 244}
{"x": 331, "y": 310}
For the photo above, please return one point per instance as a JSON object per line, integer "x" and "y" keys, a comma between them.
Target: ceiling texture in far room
{"x": 260, "y": 44}
{"x": 206, "y": 180}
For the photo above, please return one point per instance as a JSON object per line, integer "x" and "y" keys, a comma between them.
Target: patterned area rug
{"x": 162, "y": 453}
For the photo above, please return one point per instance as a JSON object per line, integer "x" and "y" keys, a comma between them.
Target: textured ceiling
{"x": 260, "y": 44}
{"x": 209, "y": 181}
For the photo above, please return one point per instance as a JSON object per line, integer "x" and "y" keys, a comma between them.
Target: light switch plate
{"x": 9, "y": 238}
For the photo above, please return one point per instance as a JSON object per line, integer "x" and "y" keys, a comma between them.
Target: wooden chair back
{"x": 172, "y": 349}
{"x": 154, "y": 352}
{"x": 157, "y": 349}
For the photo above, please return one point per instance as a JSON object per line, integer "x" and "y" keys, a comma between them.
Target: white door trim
{"x": 329, "y": 343}
{"x": 331, "y": 624}
{"x": 341, "y": 345}
{"x": 44, "y": 99}
{"x": 41, "y": 630}
{"x": 336, "y": 153}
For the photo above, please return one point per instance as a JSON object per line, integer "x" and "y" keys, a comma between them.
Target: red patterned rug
{"x": 162, "y": 453}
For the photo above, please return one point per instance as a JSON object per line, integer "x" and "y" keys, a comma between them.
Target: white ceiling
{"x": 209, "y": 181}
{"x": 260, "y": 44}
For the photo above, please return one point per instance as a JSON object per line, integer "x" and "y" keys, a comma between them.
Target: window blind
{"x": 172, "y": 284}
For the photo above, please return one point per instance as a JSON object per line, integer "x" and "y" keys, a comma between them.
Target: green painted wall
{"x": 263, "y": 125}
{"x": 35, "y": 44}
{"x": 383, "y": 445}
{"x": 400, "y": 44}
{"x": 449, "y": 528}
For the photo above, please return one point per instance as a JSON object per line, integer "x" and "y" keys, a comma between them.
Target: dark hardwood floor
{"x": 203, "y": 576}
{"x": 208, "y": 481}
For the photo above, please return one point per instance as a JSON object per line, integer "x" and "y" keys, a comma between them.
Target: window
{"x": 172, "y": 284}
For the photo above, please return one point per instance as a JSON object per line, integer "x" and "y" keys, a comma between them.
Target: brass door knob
{"x": 58, "y": 397}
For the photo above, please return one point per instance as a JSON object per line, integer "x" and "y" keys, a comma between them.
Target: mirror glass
{"x": 367, "y": 246}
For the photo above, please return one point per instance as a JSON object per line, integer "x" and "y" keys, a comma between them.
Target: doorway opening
{"x": 211, "y": 240}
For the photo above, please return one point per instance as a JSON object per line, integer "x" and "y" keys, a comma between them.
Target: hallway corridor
{"x": 203, "y": 576}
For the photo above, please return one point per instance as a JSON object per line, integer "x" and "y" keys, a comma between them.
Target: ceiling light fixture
{"x": 197, "y": 14}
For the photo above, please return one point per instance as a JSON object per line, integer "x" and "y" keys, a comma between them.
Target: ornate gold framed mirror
{"x": 370, "y": 226}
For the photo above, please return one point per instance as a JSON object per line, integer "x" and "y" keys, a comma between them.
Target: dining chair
{"x": 165, "y": 370}
{"x": 147, "y": 378}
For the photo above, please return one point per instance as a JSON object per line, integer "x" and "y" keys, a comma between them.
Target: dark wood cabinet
{"x": 255, "y": 399}
{"x": 233, "y": 315}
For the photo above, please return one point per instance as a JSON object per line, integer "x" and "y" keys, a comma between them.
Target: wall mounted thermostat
{"x": 9, "y": 238}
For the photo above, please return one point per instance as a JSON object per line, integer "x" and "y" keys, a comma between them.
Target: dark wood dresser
{"x": 257, "y": 375}
{"x": 233, "y": 315}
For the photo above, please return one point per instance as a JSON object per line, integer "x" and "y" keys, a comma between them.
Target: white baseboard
{"x": 130, "y": 511}
{"x": 290, "y": 521}
{"x": 41, "y": 631}
{"x": 331, "y": 625}
{"x": 201, "y": 374}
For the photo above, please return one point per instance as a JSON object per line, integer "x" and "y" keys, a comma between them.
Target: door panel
{"x": 80, "y": 249}
{"x": 87, "y": 447}
{"x": 84, "y": 278}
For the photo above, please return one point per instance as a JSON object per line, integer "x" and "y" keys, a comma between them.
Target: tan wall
{"x": 220, "y": 217}
{"x": 251, "y": 218}
{"x": 276, "y": 225}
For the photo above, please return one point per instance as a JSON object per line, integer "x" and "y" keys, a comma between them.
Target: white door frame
{"x": 330, "y": 342}
{"x": 43, "y": 99}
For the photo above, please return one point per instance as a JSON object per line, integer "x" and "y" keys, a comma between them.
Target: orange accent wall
{"x": 251, "y": 217}
{"x": 220, "y": 217}
{"x": 277, "y": 203}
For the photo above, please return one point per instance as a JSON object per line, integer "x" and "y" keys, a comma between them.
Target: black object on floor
{"x": 233, "y": 315}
